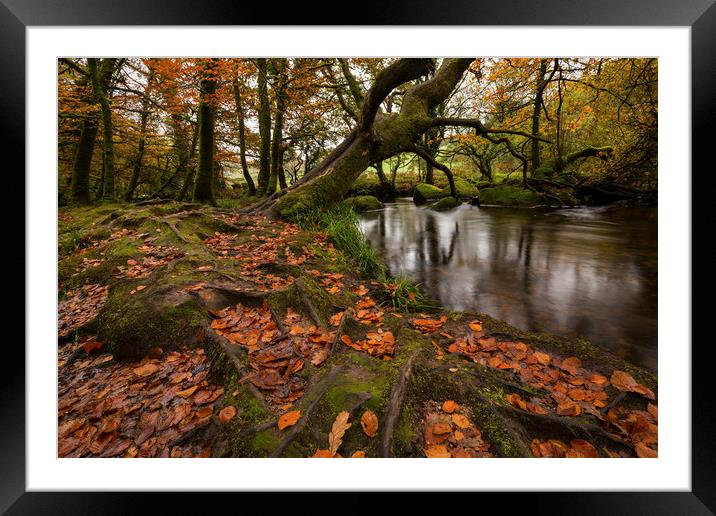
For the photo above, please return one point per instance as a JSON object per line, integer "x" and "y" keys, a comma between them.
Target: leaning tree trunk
{"x": 204, "y": 184}
{"x": 377, "y": 137}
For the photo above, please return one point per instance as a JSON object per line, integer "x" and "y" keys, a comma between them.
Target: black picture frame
{"x": 17, "y": 15}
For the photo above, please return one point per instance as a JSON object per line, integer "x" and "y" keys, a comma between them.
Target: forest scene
{"x": 357, "y": 257}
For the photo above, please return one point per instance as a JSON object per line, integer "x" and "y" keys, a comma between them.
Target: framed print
{"x": 421, "y": 235}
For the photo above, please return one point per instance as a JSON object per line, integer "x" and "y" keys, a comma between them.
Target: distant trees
{"x": 197, "y": 128}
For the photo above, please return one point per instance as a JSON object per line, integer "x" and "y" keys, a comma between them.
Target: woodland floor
{"x": 187, "y": 331}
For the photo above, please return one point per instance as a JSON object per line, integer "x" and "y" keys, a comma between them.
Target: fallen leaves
{"x": 379, "y": 344}
{"x": 451, "y": 434}
{"x": 428, "y": 326}
{"x": 80, "y": 307}
{"x": 553, "y": 448}
{"x": 335, "y": 437}
{"x": 110, "y": 409}
{"x": 369, "y": 423}
{"x": 625, "y": 382}
{"x": 227, "y": 414}
{"x": 450, "y": 406}
{"x": 289, "y": 419}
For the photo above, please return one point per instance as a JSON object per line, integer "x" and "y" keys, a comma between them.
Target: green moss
{"x": 445, "y": 204}
{"x": 133, "y": 324}
{"x": 425, "y": 193}
{"x": 363, "y": 203}
{"x": 510, "y": 196}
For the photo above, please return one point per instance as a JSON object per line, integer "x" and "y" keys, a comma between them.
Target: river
{"x": 587, "y": 271}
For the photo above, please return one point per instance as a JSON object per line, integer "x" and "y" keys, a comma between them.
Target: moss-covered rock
{"x": 424, "y": 193}
{"x": 363, "y": 203}
{"x": 445, "y": 204}
{"x": 511, "y": 195}
{"x": 132, "y": 324}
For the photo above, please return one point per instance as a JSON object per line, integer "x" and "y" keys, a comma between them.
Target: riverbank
{"x": 192, "y": 331}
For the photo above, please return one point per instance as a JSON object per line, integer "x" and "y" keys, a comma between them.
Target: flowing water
{"x": 586, "y": 271}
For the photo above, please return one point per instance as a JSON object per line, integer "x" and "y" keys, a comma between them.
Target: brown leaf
{"x": 358, "y": 455}
{"x": 146, "y": 369}
{"x": 475, "y": 325}
{"x": 571, "y": 364}
{"x": 626, "y": 383}
{"x": 450, "y": 406}
{"x": 227, "y": 414}
{"x": 91, "y": 345}
{"x": 369, "y": 422}
{"x": 187, "y": 392}
{"x": 335, "y": 437}
{"x": 581, "y": 449}
{"x": 568, "y": 408}
{"x": 289, "y": 419}
{"x": 437, "y": 451}
{"x": 644, "y": 452}
{"x": 322, "y": 454}
{"x": 460, "y": 420}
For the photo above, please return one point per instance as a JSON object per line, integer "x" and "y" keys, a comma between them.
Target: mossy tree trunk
{"x": 238, "y": 104}
{"x": 79, "y": 186}
{"x": 101, "y": 71}
{"x": 189, "y": 166}
{"x": 537, "y": 106}
{"x": 264, "y": 127}
{"x": 279, "y": 68}
{"x": 204, "y": 184}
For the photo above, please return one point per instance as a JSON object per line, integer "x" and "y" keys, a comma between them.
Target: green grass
{"x": 407, "y": 296}
{"x": 341, "y": 224}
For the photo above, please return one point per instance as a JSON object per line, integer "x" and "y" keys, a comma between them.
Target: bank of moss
{"x": 511, "y": 195}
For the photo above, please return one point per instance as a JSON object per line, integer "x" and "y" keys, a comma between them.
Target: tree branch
{"x": 481, "y": 129}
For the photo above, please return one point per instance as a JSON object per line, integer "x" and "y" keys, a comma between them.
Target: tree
{"x": 204, "y": 184}
{"x": 264, "y": 127}
{"x": 101, "y": 71}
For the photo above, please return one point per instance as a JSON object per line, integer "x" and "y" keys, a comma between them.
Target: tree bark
{"x": 137, "y": 165}
{"x": 251, "y": 187}
{"x": 204, "y": 184}
{"x": 79, "y": 187}
{"x": 264, "y": 127}
{"x": 101, "y": 74}
{"x": 279, "y": 66}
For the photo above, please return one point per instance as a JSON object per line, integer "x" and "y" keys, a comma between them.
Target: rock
{"x": 423, "y": 193}
{"x": 445, "y": 204}
{"x": 362, "y": 203}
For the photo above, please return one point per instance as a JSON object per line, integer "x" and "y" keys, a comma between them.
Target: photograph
{"x": 357, "y": 257}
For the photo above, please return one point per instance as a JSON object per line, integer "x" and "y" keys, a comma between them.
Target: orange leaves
{"x": 335, "y": 437}
{"x": 428, "y": 326}
{"x": 450, "y": 406}
{"x": 131, "y": 409}
{"x": 227, "y": 414}
{"x": 146, "y": 369}
{"x": 451, "y": 434}
{"x": 322, "y": 454}
{"x": 475, "y": 326}
{"x": 568, "y": 408}
{"x": 80, "y": 307}
{"x": 289, "y": 419}
{"x": 553, "y": 448}
{"x": 571, "y": 365}
{"x": 437, "y": 451}
{"x": 369, "y": 422}
{"x": 188, "y": 392}
{"x": 378, "y": 344}
{"x": 367, "y": 312}
{"x": 460, "y": 421}
{"x": 625, "y": 382}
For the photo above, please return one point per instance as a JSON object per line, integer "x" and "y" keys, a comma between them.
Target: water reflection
{"x": 590, "y": 271}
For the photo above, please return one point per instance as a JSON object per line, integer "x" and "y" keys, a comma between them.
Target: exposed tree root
{"x": 397, "y": 396}
{"x": 307, "y": 301}
{"x": 321, "y": 389}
